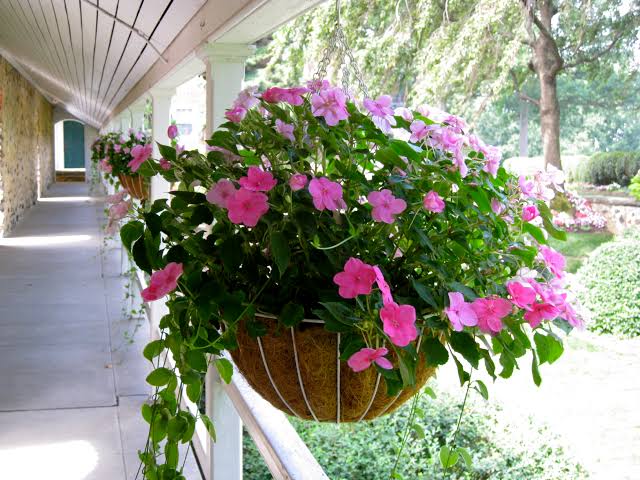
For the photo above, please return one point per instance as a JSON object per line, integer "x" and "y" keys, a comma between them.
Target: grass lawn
{"x": 578, "y": 246}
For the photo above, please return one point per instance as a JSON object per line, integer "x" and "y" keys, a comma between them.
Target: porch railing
{"x": 282, "y": 449}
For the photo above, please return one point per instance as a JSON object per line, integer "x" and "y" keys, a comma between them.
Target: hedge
{"x": 610, "y": 286}
{"x": 367, "y": 450}
{"x": 606, "y": 168}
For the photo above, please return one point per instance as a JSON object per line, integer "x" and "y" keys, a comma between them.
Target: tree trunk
{"x": 523, "y": 142}
{"x": 547, "y": 63}
{"x": 550, "y": 120}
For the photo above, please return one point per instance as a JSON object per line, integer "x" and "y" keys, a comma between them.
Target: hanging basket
{"x": 298, "y": 371}
{"x": 136, "y": 185}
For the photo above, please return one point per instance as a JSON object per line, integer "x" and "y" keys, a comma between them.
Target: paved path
{"x": 590, "y": 397}
{"x": 71, "y": 384}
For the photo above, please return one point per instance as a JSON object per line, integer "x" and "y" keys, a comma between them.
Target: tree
{"x": 564, "y": 34}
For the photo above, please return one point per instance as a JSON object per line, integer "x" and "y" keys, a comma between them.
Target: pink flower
{"x": 492, "y": 156}
{"x": 326, "y": 194}
{"x": 460, "y": 312}
{"x": 554, "y": 260}
{"x": 298, "y": 181}
{"x": 458, "y": 124}
{"x": 381, "y": 112}
{"x": 363, "y": 359}
{"x": 490, "y": 312}
{"x": 433, "y": 202}
{"x": 315, "y": 85}
{"x": 140, "y": 154}
{"x": 539, "y": 312}
{"x": 383, "y": 286}
{"x": 330, "y": 104}
{"x": 247, "y": 98}
{"x": 385, "y": 206}
{"x": 450, "y": 140}
{"x": 119, "y": 210}
{"x": 399, "y": 323}
{"x": 246, "y": 207}
{"x": 419, "y": 131}
{"x": 162, "y": 282}
{"x": 117, "y": 147}
{"x": 285, "y": 129}
{"x": 356, "y": 279}
{"x": 126, "y": 150}
{"x": 258, "y": 180}
{"x": 117, "y": 197}
{"x": 172, "y": 131}
{"x": 236, "y": 114}
{"x": 165, "y": 164}
{"x": 139, "y": 136}
{"x": 105, "y": 166}
{"x": 571, "y": 316}
{"x": 526, "y": 186}
{"x": 292, "y": 96}
{"x": 497, "y": 207}
{"x": 522, "y": 294}
{"x": 405, "y": 113}
{"x": 529, "y": 212}
{"x": 221, "y": 192}
{"x": 179, "y": 149}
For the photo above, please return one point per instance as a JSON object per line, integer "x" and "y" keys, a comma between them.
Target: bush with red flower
{"x": 308, "y": 205}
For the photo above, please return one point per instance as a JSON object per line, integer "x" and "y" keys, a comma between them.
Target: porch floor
{"x": 71, "y": 369}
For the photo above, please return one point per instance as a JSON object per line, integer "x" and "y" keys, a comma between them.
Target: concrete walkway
{"x": 71, "y": 369}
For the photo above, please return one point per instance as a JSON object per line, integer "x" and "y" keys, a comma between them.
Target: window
{"x": 185, "y": 128}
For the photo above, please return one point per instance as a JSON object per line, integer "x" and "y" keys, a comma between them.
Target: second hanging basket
{"x": 298, "y": 370}
{"x": 136, "y": 185}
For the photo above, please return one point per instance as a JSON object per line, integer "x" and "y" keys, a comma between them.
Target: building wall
{"x": 26, "y": 146}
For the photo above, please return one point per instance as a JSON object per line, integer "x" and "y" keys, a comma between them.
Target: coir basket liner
{"x": 136, "y": 185}
{"x": 296, "y": 370}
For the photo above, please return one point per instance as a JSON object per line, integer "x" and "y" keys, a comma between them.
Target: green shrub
{"x": 610, "y": 286}
{"x": 606, "y": 168}
{"x": 367, "y": 450}
{"x": 634, "y": 188}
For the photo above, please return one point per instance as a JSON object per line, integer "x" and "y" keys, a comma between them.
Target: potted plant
{"x": 120, "y": 156}
{"x": 341, "y": 253}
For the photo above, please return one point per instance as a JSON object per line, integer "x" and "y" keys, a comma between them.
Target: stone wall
{"x": 26, "y": 146}
{"x": 621, "y": 212}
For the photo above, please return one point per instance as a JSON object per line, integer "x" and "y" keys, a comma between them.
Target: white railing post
{"x": 159, "y": 188}
{"x": 137, "y": 115}
{"x": 225, "y": 74}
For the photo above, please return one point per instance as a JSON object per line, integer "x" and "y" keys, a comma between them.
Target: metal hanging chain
{"x": 337, "y": 43}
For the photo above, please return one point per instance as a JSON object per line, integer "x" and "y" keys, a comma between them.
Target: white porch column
{"x": 159, "y": 188}
{"x": 161, "y": 107}
{"x": 137, "y": 115}
{"x": 225, "y": 74}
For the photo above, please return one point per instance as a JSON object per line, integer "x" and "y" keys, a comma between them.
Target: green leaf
{"x": 434, "y": 351}
{"x": 280, "y": 250}
{"x": 418, "y": 430}
{"x": 194, "y": 391}
{"x": 139, "y": 253}
{"x": 291, "y": 315}
{"x": 225, "y": 369}
{"x": 548, "y": 347}
{"x": 160, "y": 376}
{"x": 131, "y": 232}
{"x": 481, "y": 199}
{"x": 424, "y": 293}
{"x": 176, "y": 428}
{"x": 464, "y": 344}
{"x": 196, "y": 360}
{"x": 481, "y": 388}
{"x": 463, "y": 375}
{"x": 553, "y": 231}
{"x": 535, "y": 232}
{"x": 448, "y": 458}
{"x": 147, "y": 412}
{"x": 192, "y": 198}
{"x": 209, "y": 425}
{"x": 466, "y": 456}
{"x": 191, "y": 426}
{"x": 171, "y": 454}
{"x": 154, "y": 224}
{"x": 167, "y": 152}
{"x": 153, "y": 349}
{"x": 537, "y": 379}
{"x": 429, "y": 391}
{"x": 231, "y": 254}
{"x": 466, "y": 291}
{"x": 389, "y": 158}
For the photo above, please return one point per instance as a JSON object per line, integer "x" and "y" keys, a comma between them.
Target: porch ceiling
{"x": 79, "y": 56}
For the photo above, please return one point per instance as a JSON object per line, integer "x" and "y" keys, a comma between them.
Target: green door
{"x": 73, "y": 144}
